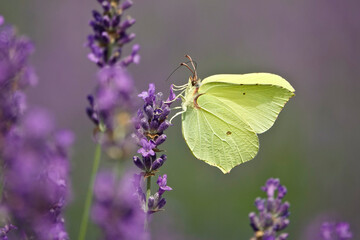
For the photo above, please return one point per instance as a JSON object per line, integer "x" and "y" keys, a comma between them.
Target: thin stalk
{"x": 89, "y": 195}
{"x": 148, "y": 193}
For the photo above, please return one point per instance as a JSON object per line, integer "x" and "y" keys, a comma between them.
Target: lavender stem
{"x": 148, "y": 193}
{"x": 89, "y": 195}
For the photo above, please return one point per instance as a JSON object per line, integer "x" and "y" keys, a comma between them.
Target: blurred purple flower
{"x": 7, "y": 228}
{"x": 116, "y": 209}
{"x": 15, "y": 76}
{"x": 273, "y": 213}
{"x": 36, "y": 174}
{"x": 336, "y": 231}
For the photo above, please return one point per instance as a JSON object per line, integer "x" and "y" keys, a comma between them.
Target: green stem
{"x": 148, "y": 192}
{"x": 89, "y": 195}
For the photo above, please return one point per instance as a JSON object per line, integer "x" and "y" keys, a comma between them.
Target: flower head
{"x": 273, "y": 213}
{"x": 110, "y": 34}
{"x": 150, "y": 124}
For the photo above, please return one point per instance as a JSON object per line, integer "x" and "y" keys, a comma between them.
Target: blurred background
{"x": 312, "y": 148}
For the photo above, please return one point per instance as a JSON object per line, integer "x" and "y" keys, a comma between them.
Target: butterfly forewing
{"x": 257, "y": 98}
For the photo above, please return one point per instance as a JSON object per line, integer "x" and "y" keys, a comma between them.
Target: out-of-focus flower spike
{"x": 273, "y": 213}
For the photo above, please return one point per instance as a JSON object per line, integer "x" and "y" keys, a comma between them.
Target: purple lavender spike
{"x": 273, "y": 213}
{"x": 38, "y": 176}
{"x": 109, "y": 24}
{"x": 15, "y": 76}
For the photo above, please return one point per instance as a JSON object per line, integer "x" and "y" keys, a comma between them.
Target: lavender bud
{"x": 149, "y": 111}
{"x": 154, "y": 124}
{"x": 105, "y": 38}
{"x": 161, "y": 139}
{"x": 97, "y": 15}
{"x": 254, "y": 221}
{"x": 284, "y": 209}
{"x": 127, "y": 38}
{"x": 144, "y": 124}
{"x": 151, "y": 202}
{"x": 162, "y": 203}
{"x": 282, "y": 224}
{"x": 106, "y": 6}
{"x": 138, "y": 163}
{"x": 165, "y": 112}
{"x": 147, "y": 162}
{"x": 106, "y": 21}
{"x": 157, "y": 164}
{"x": 128, "y": 23}
{"x": 126, "y": 4}
{"x": 260, "y": 204}
{"x": 163, "y": 126}
{"x": 283, "y": 236}
{"x": 116, "y": 21}
{"x": 281, "y": 192}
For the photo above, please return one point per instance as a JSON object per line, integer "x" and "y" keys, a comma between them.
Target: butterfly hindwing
{"x": 217, "y": 135}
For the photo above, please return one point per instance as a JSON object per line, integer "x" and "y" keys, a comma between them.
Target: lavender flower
{"x": 150, "y": 123}
{"x": 273, "y": 213}
{"x": 336, "y": 231}
{"x": 110, "y": 35}
{"x": 15, "y": 76}
{"x": 36, "y": 176}
{"x": 112, "y": 103}
{"x": 116, "y": 208}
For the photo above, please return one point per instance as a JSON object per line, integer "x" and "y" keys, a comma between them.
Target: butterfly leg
{"x": 177, "y": 114}
{"x": 178, "y": 96}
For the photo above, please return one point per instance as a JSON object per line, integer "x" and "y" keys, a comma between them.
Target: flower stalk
{"x": 89, "y": 195}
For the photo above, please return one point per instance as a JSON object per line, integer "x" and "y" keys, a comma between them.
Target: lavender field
{"x": 88, "y": 151}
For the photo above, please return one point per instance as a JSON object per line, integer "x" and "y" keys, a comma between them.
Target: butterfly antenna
{"x": 192, "y": 63}
{"x": 172, "y": 73}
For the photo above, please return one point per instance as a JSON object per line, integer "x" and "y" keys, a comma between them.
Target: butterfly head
{"x": 194, "y": 80}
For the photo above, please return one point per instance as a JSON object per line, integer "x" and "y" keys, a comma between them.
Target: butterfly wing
{"x": 217, "y": 135}
{"x": 257, "y": 98}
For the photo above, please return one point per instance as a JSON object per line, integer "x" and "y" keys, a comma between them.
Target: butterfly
{"x": 222, "y": 114}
